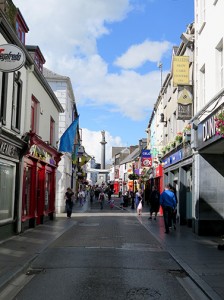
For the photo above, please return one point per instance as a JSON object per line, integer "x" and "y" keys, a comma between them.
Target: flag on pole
{"x": 68, "y": 137}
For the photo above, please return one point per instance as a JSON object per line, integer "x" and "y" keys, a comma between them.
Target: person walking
{"x": 154, "y": 202}
{"x": 138, "y": 199}
{"x": 174, "y": 213}
{"x": 101, "y": 199}
{"x": 168, "y": 203}
{"x": 91, "y": 193}
{"x": 68, "y": 202}
{"x": 81, "y": 197}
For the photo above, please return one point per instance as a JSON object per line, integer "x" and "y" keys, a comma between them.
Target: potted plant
{"x": 133, "y": 176}
{"x": 187, "y": 129}
{"x": 179, "y": 137}
{"x": 219, "y": 123}
{"x": 173, "y": 144}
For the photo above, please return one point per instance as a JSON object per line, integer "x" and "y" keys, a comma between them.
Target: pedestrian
{"x": 91, "y": 193}
{"x": 154, "y": 202}
{"x": 81, "y": 197}
{"x": 168, "y": 203}
{"x": 138, "y": 198}
{"x": 139, "y": 207}
{"x": 69, "y": 202}
{"x": 101, "y": 199}
{"x": 174, "y": 213}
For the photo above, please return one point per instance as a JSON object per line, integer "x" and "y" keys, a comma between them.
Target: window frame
{"x": 4, "y": 94}
{"x": 16, "y": 102}
{"x": 12, "y": 191}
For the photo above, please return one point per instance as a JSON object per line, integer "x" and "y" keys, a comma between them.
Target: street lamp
{"x": 160, "y": 66}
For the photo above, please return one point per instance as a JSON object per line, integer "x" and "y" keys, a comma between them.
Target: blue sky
{"x": 110, "y": 50}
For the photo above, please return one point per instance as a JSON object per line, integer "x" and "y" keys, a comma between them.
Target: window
{"x": 16, "y": 102}
{"x": 7, "y": 189}
{"x": 52, "y": 132}
{"x": 34, "y": 115}
{"x": 201, "y": 14}
{"x": 3, "y": 103}
{"x": 20, "y": 32}
{"x": 21, "y": 27}
{"x": 219, "y": 65}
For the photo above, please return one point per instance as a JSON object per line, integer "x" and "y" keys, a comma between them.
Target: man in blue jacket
{"x": 168, "y": 203}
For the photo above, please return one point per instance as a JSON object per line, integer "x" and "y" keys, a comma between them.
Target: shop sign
{"x": 184, "y": 103}
{"x": 207, "y": 131}
{"x": 9, "y": 150}
{"x": 174, "y": 158}
{"x": 180, "y": 70}
{"x": 42, "y": 154}
{"x": 146, "y": 160}
{"x": 159, "y": 171}
{"x": 12, "y": 58}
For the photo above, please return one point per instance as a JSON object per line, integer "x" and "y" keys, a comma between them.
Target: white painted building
{"x": 62, "y": 88}
{"x": 208, "y": 175}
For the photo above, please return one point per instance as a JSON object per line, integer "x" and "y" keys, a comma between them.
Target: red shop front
{"x": 39, "y": 183}
{"x": 158, "y": 181}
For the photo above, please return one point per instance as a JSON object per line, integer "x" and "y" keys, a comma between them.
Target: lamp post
{"x": 160, "y": 66}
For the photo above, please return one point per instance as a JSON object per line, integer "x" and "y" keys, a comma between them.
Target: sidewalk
{"x": 198, "y": 256}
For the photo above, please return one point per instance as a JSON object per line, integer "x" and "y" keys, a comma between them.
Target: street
{"x": 105, "y": 254}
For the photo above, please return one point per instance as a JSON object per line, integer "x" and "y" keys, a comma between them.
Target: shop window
{"x": 3, "y": 91}
{"x": 16, "y": 102}
{"x": 26, "y": 191}
{"x": 7, "y": 189}
{"x": 34, "y": 115}
{"x": 47, "y": 191}
{"x": 52, "y": 132}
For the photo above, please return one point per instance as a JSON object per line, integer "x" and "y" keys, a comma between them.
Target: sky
{"x": 111, "y": 50}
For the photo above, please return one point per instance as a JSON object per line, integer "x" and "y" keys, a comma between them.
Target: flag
{"x": 68, "y": 137}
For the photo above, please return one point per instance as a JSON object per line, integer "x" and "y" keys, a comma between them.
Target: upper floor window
{"x": 219, "y": 64}
{"x": 21, "y": 27}
{"x": 52, "y": 131}
{"x": 17, "y": 102}
{"x": 3, "y": 97}
{"x": 37, "y": 56}
{"x": 34, "y": 115}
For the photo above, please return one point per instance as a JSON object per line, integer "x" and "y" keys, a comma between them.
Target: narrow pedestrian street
{"x": 105, "y": 254}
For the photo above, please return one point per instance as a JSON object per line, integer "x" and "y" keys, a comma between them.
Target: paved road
{"x": 106, "y": 255}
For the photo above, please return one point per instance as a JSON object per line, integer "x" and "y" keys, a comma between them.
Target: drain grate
{"x": 35, "y": 271}
{"x": 178, "y": 273}
{"x": 140, "y": 293}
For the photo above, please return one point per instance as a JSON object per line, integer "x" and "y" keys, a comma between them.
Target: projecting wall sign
{"x": 12, "y": 58}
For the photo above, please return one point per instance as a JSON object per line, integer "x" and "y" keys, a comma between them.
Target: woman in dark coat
{"x": 69, "y": 202}
{"x": 154, "y": 202}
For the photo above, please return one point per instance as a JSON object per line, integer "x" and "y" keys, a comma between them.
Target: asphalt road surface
{"x": 106, "y": 256}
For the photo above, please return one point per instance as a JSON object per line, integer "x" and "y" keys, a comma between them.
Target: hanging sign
{"x": 12, "y": 58}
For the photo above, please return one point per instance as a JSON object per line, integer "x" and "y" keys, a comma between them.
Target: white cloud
{"x": 67, "y": 34}
{"x": 91, "y": 141}
{"x": 137, "y": 55}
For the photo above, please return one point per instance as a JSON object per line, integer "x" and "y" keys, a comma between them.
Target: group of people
{"x": 167, "y": 200}
{"x": 98, "y": 193}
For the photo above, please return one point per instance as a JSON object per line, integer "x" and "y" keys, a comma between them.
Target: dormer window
{"x": 37, "y": 56}
{"x": 21, "y": 27}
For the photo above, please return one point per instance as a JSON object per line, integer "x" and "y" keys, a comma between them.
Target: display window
{"x": 7, "y": 191}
